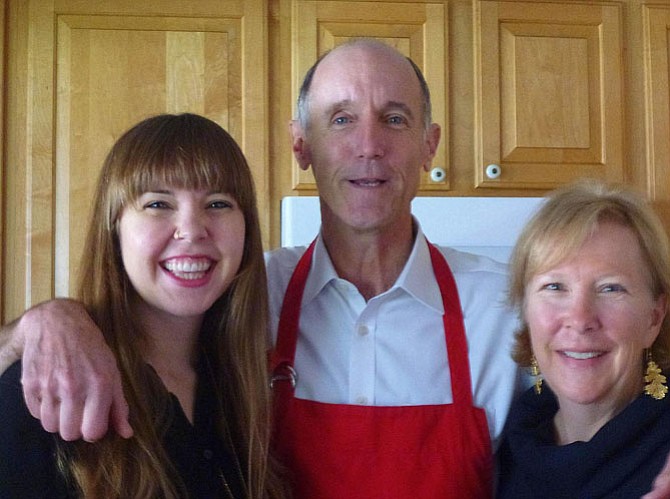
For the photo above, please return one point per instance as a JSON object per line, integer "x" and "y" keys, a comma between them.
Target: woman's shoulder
{"x": 12, "y": 373}
{"x": 11, "y": 391}
{"x": 27, "y": 453}
{"x": 17, "y": 422}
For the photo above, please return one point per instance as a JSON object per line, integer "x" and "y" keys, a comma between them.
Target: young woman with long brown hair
{"x": 173, "y": 274}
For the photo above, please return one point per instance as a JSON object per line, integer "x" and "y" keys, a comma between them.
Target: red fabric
{"x": 349, "y": 451}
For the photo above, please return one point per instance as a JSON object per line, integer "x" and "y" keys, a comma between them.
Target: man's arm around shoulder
{"x": 70, "y": 378}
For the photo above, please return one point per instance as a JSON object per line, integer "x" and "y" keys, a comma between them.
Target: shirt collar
{"x": 417, "y": 277}
{"x": 321, "y": 272}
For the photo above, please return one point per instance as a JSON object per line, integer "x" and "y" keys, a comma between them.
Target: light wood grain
{"x": 555, "y": 89}
{"x": 92, "y": 70}
{"x": 550, "y": 79}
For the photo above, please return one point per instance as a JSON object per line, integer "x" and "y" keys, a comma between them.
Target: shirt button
{"x": 207, "y": 454}
{"x": 362, "y": 400}
{"x": 363, "y": 330}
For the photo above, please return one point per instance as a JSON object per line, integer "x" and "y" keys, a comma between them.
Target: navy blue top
{"x": 620, "y": 461}
{"x": 28, "y": 466}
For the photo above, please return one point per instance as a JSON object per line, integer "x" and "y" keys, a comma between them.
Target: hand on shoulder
{"x": 70, "y": 378}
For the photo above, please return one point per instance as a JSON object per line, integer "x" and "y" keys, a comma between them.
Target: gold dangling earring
{"x": 655, "y": 386}
{"x": 535, "y": 371}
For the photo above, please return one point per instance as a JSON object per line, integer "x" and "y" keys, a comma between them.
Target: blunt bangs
{"x": 182, "y": 151}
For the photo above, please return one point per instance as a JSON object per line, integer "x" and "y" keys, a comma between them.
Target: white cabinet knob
{"x": 438, "y": 174}
{"x": 493, "y": 171}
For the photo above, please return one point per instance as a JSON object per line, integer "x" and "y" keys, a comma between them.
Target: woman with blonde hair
{"x": 173, "y": 274}
{"x": 590, "y": 276}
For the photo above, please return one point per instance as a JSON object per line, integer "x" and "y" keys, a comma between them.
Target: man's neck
{"x": 372, "y": 261}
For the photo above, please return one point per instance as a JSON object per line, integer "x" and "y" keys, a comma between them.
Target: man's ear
{"x": 299, "y": 145}
{"x": 432, "y": 141}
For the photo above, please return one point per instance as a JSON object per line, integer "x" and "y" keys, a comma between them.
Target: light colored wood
{"x": 657, "y": 52}
{"x": 3, "y": 147}
{"x": 29, "y": 178}
{"x": 112, "y": 64}
{"x": 281, "y": 110}
{"x": 418, "y": 30}
{"x": 116, "y": 61}
{"x": 549, "y": 91}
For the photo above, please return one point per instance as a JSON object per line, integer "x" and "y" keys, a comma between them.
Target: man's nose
{"x": 371, "y": 139}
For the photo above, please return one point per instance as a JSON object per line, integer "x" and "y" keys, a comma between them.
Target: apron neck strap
{"x": 289, "y": 319}
{"x": 454, "y": 329}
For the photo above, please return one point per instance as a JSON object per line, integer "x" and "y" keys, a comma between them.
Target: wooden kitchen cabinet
{"x": 657, "y": 48}
{"x": 548, "y": 93}
{"x": 548, "y": 90}
{"x": 82, "y": 72}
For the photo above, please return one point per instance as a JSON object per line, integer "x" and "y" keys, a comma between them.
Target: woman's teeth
{"x": 581, "y": 355}
{"x": 188, "y": 268}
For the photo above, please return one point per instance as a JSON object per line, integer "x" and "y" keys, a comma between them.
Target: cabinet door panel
{"x": 113, "y": 65}
{"x": 549, "y": 100}
{"x": 418, "y": 30}
{"x": 657, "y": 47}
{"x": 111, "y": 76}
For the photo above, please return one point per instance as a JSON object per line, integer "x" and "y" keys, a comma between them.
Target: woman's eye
{"x": 156, "y": 205}
{"x": 220, "y": 204}
{"x": 553, "y": 286}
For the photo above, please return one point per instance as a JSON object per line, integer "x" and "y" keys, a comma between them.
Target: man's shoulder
{"x": 281, "y": 262}
{"x": 464, "y": 262}
{"x": 284, "y": 257}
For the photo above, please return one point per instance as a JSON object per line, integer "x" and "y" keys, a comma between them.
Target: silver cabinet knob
{"x": 493, "y": 171}
{"x": 438, "y": 174}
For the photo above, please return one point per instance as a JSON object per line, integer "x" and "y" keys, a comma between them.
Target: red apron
{"x": 376, "y": 452}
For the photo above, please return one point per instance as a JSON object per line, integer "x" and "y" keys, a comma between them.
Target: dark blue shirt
{"x": 27, "y": 452}
{"x": 620, "y": 461}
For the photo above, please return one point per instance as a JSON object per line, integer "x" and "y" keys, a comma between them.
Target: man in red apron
{"x": 356, "y": 451}
{"x": 364, "y": 130}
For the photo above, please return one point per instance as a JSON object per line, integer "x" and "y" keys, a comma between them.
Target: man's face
{"x": 366, "y": 139}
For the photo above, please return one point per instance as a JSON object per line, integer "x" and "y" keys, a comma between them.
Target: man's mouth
{"x": 367, "y": 182}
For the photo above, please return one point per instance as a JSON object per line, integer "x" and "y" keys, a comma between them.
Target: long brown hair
{"x": 191, "y": 152}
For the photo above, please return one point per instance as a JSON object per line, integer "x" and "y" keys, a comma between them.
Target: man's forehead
{"x": 349, "y": 76}
{"x": 357, "y": 57}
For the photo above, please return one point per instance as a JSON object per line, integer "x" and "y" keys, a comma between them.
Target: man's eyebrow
{"x": 337, "y": 106}
{"x": 396, "y": 105}
{"x": 388, "y": 106}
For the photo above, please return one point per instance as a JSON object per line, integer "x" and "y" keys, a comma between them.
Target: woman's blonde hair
{"x": 191, "y": 152}
{"x": 565, "y": 220}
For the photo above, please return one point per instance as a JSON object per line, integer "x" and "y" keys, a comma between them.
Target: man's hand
{"x": 661, "y": 487}
{"x": 70, "y": 378}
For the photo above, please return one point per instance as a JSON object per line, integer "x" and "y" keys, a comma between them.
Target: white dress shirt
{"x": 391, "y": 350}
